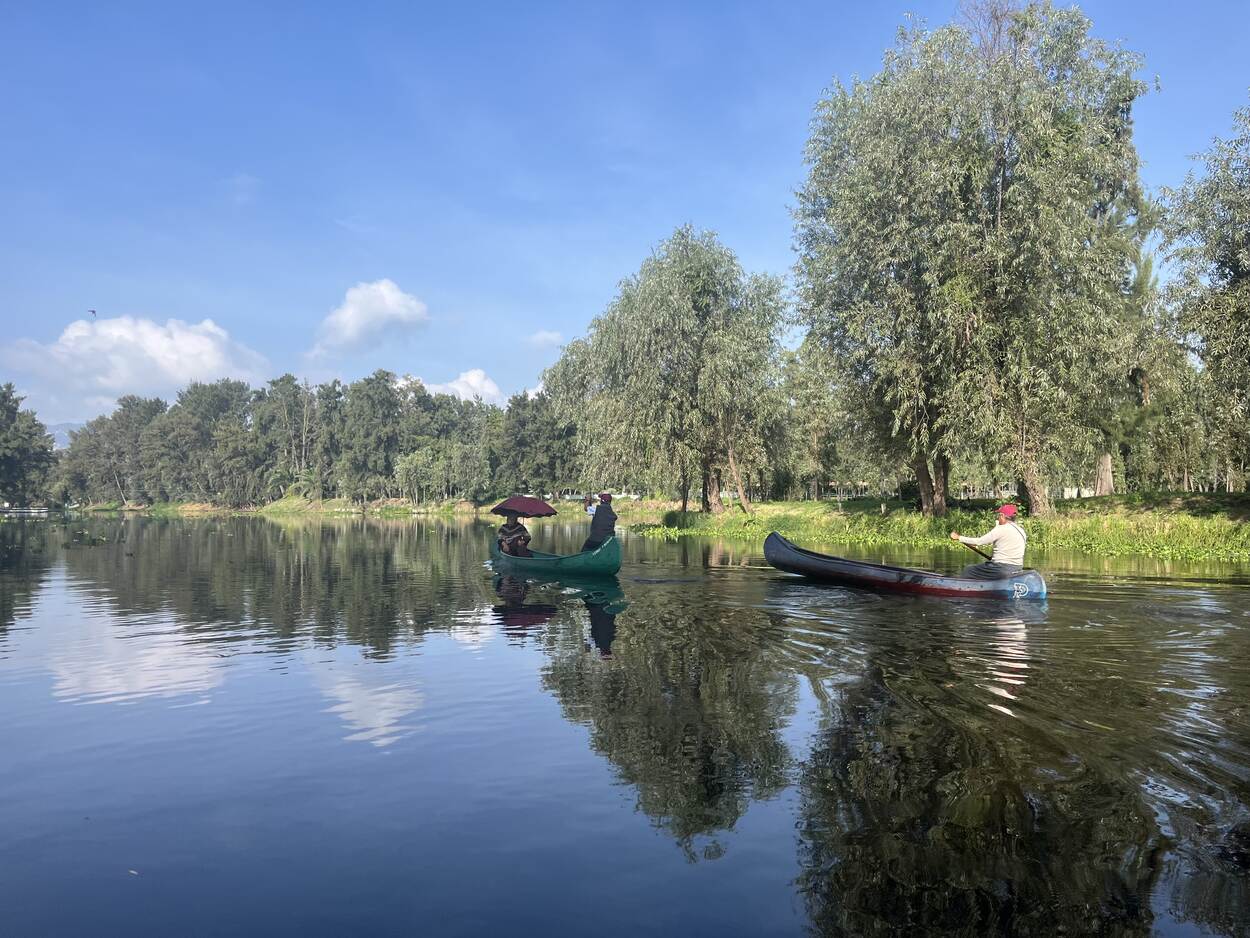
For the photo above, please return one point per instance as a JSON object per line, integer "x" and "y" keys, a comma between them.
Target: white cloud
{"x": 546, "y": 338}
{"x": 468, "y": 385}
{"x": 368, "y": 312}
{"x": 533, "y": 392}
{"x": 101, "y": 359}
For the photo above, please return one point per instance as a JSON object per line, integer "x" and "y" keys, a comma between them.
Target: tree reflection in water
{"x": 24, "y": 562}
{"x": 689, "y": 709}
{"x": 912, "y": 820}
{"x": 369, "y": 583}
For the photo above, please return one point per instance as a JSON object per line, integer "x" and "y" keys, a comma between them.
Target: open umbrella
{"x": 524, "y": 506}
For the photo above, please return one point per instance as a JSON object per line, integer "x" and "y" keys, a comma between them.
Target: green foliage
{"x": 538, "y": 448}
{"x": 1187, "y": 532}
{"x": 961, "y": 239}
{"x": 25, "y": 451}
{"x": 1208, "y": 239}
{"x": 676, "y": 377}
{"x": 224, "y": 444}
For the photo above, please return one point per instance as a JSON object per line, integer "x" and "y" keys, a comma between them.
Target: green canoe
{"x": 604, "y": 560}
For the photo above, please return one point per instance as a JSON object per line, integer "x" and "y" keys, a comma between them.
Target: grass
{"x": 1181, "y": 527}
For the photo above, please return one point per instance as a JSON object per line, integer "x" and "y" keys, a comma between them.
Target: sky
{"x": 446, "y": 191}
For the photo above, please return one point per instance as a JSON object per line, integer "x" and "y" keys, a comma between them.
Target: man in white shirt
{"x": 1009, "y": 541}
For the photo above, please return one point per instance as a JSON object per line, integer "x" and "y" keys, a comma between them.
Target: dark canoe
{"x": 604, "y": 560}
{"x": 875, "y": 576}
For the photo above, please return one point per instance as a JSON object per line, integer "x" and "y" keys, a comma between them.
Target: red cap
{"x": 1007, "y": 511}
{"x": 605, "y": 496}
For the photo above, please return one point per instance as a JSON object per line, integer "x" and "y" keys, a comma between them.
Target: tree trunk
{"x": 941, "y": 480}
{"x": 1104, "y": 481}
{"x": 743, "y": 502}
{"x": 685, "y": 489}
{"x": 925, "y": 481}
{"x": 704, "y": 504}
{"x": 1039, "y": 498}
{"x": 120, "y": 490}
{"x": 714, "y": 500}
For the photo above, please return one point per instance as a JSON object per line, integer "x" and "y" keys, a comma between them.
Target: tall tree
{"x": 104, "y": 461}
{"x": 537, "y": 446}
{"x": 958, "y": 246}
{"x": 178, "y": 448}
{"x": 673, "y": 376}
{"x": 25, "y": 450}
{"x": 1208, "y": 240}
{"x": 370, "y": 436}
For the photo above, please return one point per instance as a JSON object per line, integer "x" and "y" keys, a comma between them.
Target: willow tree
{"x": 677, "y": 374}
{"x": 1208, "y": 238}
{"x": 960, "y": 250}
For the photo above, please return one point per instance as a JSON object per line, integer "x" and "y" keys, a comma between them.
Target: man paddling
{"x": 602, "y": 523}
{"x": 1009, "y": 541}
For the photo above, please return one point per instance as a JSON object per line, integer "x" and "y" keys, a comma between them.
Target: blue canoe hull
{"x": 874, "y": 576}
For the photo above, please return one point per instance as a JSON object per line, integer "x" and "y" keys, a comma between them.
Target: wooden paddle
{"x": 974, "y": 550}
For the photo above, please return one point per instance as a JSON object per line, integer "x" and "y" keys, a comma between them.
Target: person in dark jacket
{"x": 602, "y": 523}
{"x": 513, "y": 537}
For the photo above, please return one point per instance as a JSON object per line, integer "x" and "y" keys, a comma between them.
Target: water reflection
{"x": 93, "y": 665}
{"x": 1081, "y": 765}
{"x": 687, "y": 709}
{"x": 373, "y": 704}
{"x": 512, "y": 612}
{"x": 24, "y": 562}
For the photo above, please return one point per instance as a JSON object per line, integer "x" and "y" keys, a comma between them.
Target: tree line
{"x": 975, "y": 306}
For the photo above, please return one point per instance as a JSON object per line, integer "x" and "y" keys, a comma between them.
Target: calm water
{"x": 230, "y": 727}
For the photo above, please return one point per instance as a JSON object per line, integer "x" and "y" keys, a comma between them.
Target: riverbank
{"x": 1189, "y": 527}
{"x": 1179, "y": 527}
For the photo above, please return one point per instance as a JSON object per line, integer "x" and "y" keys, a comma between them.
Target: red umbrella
{"x": 524, "y": 506}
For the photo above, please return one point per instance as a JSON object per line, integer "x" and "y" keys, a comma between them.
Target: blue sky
{"x": 444, "y": 191}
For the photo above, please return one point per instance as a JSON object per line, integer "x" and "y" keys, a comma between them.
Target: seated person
{"x": 513, "y": 537}
{"x": 1009, "y": 542}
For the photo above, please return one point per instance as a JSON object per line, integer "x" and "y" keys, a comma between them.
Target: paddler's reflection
{"x": 602, "y": 597}
{"x": 602, "y": 628}
{"x": 1007, "y": 661}
{"x": 515, "y": 614}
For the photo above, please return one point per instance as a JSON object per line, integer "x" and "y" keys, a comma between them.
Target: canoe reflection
{"x": 602, "y": 597}
{"x": 514, "y": 613}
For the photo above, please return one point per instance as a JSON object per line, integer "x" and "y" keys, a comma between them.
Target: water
{"x": 235, "y": 726}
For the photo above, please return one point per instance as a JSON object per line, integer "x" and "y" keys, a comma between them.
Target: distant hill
{"x": 61, "y": 431}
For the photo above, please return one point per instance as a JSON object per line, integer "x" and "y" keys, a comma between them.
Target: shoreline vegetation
{"x": 1167, "y": 526}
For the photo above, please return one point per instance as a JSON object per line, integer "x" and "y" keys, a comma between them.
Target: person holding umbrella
{"x": 513, "y": 537}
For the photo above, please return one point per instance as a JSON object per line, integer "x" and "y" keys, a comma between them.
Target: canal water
{"x": 238, "y": 726}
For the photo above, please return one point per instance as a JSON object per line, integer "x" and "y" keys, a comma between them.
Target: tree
{"x": 104, "y": 461}
{"x": 537, "y": 453}
{"x": 674, "y": 375}
{"x": 178, "y": 448}
{"x": 370, "y": 436}
{"x": 26, "y": 455}
{"x": 1207, "y": 232}
{"x": 958, "y": 239}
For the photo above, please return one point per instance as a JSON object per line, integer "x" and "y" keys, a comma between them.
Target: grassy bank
{"x": 1183, "y": 528}
{"x": 1180, "y": 527}
{"x": 384, "y": 508}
